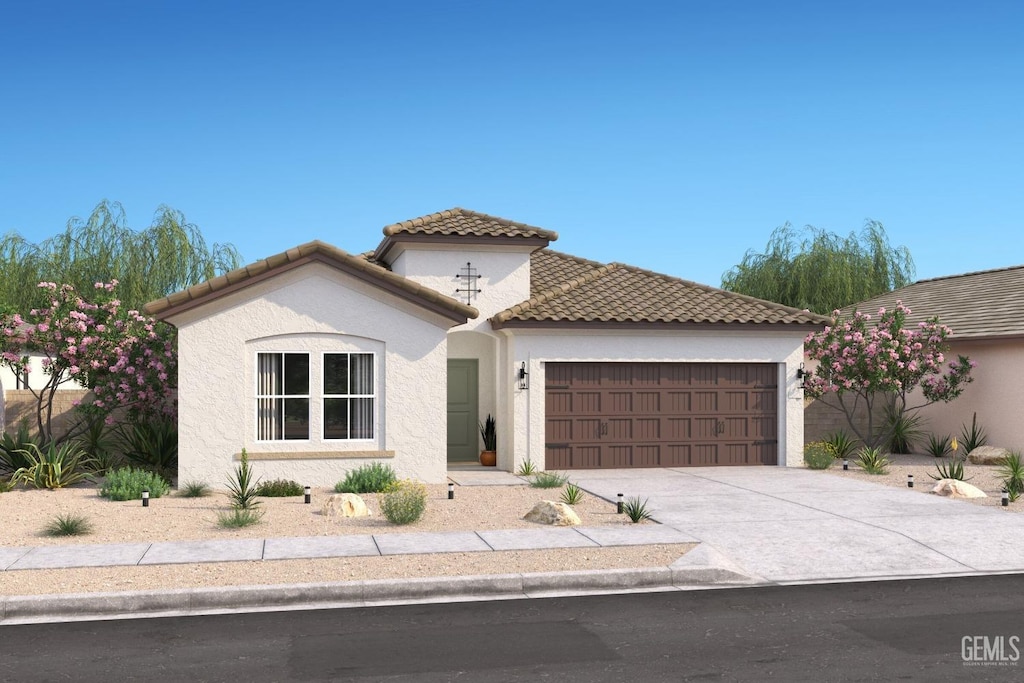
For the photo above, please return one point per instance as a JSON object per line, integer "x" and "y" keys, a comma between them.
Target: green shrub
{"x": 872, "y": 461}
{"x": 151, "y": 445}
{"x": 372, "y": 478}
{"x": 904, "y": 429}
{"x": 12, "y": 447}
{"x": 526, "y": 468}
{"x": 636, "y": 510}
{"x": 404, "y": 502}
{"x": 53, "y": 467}
{"x": 194, "y": 489}
{"x": 68, "y": 524}
{"x": 279, "y": 488}
{"x": 841, "y": 444}
{"x": 572, "y": 494}
{"x": 243, "y": 485}
{"x": 236, "y": 518}
{"x": 972, "y": 437}
{"x": 548, "y": 480}
{"x": 938, "y": 446}
{"x": 954, "y": 469}
{"x": 96, "y": 440}
{"x": 818, "y": 455}
{"x": 127, "y": 483}
{"x": 1012, "y": 471}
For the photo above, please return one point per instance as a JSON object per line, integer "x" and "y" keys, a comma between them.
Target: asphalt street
{"x": 925, "y": 629}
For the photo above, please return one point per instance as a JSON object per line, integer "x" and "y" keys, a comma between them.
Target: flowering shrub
{"x": 129, "y": 361}
{"x": 862, "y": 364}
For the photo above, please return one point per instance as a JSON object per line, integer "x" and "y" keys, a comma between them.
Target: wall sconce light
{"x": 800, "y": 375}
{"x": 523, "y": 377}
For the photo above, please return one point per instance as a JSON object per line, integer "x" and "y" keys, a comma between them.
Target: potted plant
{"x": 489, "y": 433}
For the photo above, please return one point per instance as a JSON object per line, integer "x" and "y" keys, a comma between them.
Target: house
{"x": 985, "y": 310}
{"x": 317, "y": 360}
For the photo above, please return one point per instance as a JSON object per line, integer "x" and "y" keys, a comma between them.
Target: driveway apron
{"x": 797, "y": 525}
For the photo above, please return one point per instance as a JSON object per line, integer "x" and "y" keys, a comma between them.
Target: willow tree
{"x": 170, "y": 255}
{"x": 822, "y": 271}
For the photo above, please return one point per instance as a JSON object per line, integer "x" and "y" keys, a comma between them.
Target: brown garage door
{"x": 660, "y": 414}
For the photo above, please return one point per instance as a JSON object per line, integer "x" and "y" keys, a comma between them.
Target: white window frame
{"x": 373, "y": 396}
{"x": 259, "y": 396}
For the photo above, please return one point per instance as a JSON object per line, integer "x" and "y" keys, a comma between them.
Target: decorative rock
{"x": 555, "y": 514}
{"x": 954, "y": 488}
{"x": 987, "y": 455}
{"x": 344, "y": 505}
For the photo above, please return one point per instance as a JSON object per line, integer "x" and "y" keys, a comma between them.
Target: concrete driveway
{"x": 796, "y": 525}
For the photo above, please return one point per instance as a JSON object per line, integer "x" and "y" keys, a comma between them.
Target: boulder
{"x": 987, "y": 455}
{"x": 344, "y": 505}
{"x": 954, "y": 488}
{"x": 555, "y": 514}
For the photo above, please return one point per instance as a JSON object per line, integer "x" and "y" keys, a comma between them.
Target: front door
{"x": 463, "y": 439}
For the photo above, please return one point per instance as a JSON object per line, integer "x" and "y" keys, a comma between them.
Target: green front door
{"x": 463, "y": 440}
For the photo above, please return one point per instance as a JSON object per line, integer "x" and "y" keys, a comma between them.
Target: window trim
{"x": 324, "y": 396}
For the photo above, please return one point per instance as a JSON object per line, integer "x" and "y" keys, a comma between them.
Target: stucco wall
{"x": 311, "y": 309}
{"x": 538, "y": 348}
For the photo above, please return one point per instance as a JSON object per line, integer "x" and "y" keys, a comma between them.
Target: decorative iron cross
{"x": 468, "y": 279}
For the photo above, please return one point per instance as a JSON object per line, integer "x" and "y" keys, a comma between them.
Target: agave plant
{"x": 938, "y": 446}
{"x": 841, "y": 444}
{"x": 872, "y": 461}
{"x": 954, "y": 469}
{"x": 973, "y": 436}
{"x": 54, "y": 467}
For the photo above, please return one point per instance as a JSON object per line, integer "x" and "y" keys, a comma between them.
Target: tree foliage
{"x": 168, "y": 256}
{"x": 822, "y": 271}
{"x": 862, "y": 364}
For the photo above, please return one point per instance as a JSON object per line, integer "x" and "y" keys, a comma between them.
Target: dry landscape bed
{"x": 24, "y": 514}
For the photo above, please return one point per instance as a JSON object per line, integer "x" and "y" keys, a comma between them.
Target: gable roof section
{"x": 591, "y": 293}
{"x": 979, "y": 305}
{"x": 465, "y": 226}
{"x": 311, "y": 252}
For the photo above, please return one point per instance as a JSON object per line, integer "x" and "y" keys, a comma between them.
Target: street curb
{"x": 702, "y": 571}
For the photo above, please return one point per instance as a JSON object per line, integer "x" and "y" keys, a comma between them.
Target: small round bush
{"x": 279, "y": 488}
{"x": 404, "y": 502}
{"x": 373, "y": 478}
{"x": 819, "y": 455}
{"x": 127, "y": 483}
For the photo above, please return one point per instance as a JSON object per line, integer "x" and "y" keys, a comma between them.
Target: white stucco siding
{"x": 538, "y": 348}
{"x": 312, "y": 309}
{"x": 37, "y": 377}
{"x": 504, "y": 276}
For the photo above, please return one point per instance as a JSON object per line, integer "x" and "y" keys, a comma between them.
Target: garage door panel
{"x": 660, "y": 414}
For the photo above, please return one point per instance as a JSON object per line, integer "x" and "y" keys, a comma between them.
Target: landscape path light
{"x": 145, "y": 498}
{"x": 307, "y": 495}
{"x": 451, "y": 490}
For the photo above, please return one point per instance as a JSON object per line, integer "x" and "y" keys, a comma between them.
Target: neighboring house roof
{"x": 978, "y": 305}
{"x": 573, "y": 290}
{"x": 461, "y": 226}
{"x": 311, "y": 252}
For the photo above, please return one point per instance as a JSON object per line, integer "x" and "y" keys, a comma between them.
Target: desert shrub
{"x": 548, "y": 480}
{"x": 818, "y": 455}
{"x": 194, "y": 489}
{"x": 151, "y": 445}
{"x": 242, "y": 486}
{"x": 636, "y": 510}
{"x": 1012, "y": 470}
{"x": 872, "y": 461}
{"x": 954, "y": 469}
{"x": 904, "y": 429}
{"x": 12, "y": 446}
{"x": 973, "y": 436}
{"x": 404, "y": 502}
{"x": 127, "y": 483}
{"x": 572, "y": 494}
{"x": 68, "y": 524}
{"x": 236, "y": 518}
{"x": 372, "y": 478}
{"x": 841, "y": 444}
{"x": 938, "y": 446}
{"x": 52, "y": 467}
{"x": 279, "y": 488}
{"x": 526, "y": 468}
{"x": 99, "y": 443}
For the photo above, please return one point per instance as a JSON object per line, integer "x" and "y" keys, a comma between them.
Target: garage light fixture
{"x": 522, "y": 377}
{"x": 801, "y": 375}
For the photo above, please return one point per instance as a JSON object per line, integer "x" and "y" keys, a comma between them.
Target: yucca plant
{"x": 841, "y": 444}
{"x": 243, "y": 486}
{"x": 971, "y": 438}
{"x": 526, "y": 468}
{"x": 572, "y": 494}
{"x": 938, "y": 446}
{"x": 636, "y": 510}
{"x": 99, "y": 443}
{"x": 53, "y": 467}
{"x": 872, "y": 461}
{"x": 11, "y": 446}
{"x": 954, "y": 469}
{"x": 151, "y": 445}
{"x": 1012, "y": 471}
{"x": 904, "y": 429}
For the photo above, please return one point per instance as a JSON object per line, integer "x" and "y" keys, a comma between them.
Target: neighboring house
{"x": 985, "y": 310}
{"x": 18, "y": 403}
{"x": 316, "y": 360}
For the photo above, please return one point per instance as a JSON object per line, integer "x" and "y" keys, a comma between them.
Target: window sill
{"x": 316, "y": 455}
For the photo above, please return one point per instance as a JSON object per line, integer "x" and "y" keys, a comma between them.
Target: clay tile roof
{"x": 983, "y": 304}
{"x": 359, "y": 266}
{"x": 619, "y": 293}
{"x": 460, "y": 221}
{"x": 549, "y": 268}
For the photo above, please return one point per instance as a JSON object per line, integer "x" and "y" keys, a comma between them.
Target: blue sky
{"x": 670, "y": 135}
